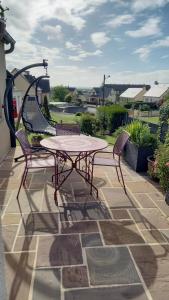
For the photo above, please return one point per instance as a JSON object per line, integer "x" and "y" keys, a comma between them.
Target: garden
{"x": 144, "y": 150}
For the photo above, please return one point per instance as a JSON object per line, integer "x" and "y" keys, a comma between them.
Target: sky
{"x": 83, "y": 40}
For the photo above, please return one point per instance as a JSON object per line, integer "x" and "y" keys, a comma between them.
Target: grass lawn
{"x": 109, "y": 138}
{"x": 154, "y": 120}
{"x": 65, "y": 118}
{"x": 71, "y": 118}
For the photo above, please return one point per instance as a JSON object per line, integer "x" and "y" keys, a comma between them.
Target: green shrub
{"x": 111, "y": 117}
{"x": 128, "y": 105}
{"x": 162, "y": 157}
{"x": 140, "y": 134}
{"x": 78, "y": 114}
{"x": 88, "y": 124}
{"x": 145, "y": 107}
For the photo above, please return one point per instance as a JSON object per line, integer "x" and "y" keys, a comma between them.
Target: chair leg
{"x": 91, "y": 178}
{"x": 56, "y": 183}
{"x": 117, "y": 174}
{"x": 22, "y": 181}
{"x": 122, "y": 179}
{"x": 26, "y": 172}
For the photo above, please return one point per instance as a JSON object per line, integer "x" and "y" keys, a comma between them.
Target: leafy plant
{"x": 59, "y": 93}
{"x": 140, "y": 134}
{"x": 111, "y": 117}
{"x": 45, "y": 108}
{"x": 162, "y": 157}
{"x": 88, "y": 124}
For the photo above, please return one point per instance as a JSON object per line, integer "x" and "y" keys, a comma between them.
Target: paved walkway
{"x": 116, "y": 247}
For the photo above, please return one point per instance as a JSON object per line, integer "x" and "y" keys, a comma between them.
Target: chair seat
{"x": 105, "y": 162}
{"x": 41, "y": 162}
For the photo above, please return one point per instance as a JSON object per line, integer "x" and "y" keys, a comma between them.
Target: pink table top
{"x": 74, "y": 143}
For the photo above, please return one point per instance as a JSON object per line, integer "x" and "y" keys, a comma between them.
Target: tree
{"x": 59, "y": 92}
{"x": 69, "y": 98}
{"x": 45, "y": 108}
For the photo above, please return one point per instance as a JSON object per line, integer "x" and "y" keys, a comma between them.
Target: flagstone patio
{"x": 114, "y": 247}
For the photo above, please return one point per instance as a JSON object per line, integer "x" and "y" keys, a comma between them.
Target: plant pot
{"x": 35, "y": 141}
{"x": 152, "y": 167}
{"x": 2, "y": 28}
{"x": 136, "y": 156}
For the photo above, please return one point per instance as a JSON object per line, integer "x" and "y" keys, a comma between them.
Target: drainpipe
{"x": 7, "y": 39}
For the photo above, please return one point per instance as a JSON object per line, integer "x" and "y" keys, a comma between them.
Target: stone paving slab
{"x": 75, "y": 277}
{"x": 120, "y": 232}
{"x": 109, "y": 266}
{"x": 109, "y": 293}
{"x": 153, "y": 262}
{"x": 59, "y": 251}
{"x": 116, "y": 198}
{"x": 114, "y": 247}
{"x": 19, "y": 268}
{"x": 47, "y": 284}
{"x": 89, "y": 240}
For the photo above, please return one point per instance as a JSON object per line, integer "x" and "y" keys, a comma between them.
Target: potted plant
{"x": 35, "y": 140}
{"x": 140, "y": 145}
{"x": 152, "y": 167}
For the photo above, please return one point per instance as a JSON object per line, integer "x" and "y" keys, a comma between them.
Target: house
{"x": 157, "y": 93}
{"x": 6, "y": 39}
{"x": 133, "y": 94}
{"x": 22, "y": 83}
{"x": 112, "y": 92}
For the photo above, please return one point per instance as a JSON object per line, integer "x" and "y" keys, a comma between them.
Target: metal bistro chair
{"x": 115, "y": 161}
{"x": 67, "y": 129}
{"x": 34, "y": 159}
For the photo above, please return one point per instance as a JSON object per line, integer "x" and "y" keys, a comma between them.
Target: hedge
{"x": 111, "y": 117}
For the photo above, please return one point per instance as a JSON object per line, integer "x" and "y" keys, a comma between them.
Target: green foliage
{"x": 163, "y": 120}
{"x": 128, "y": 105}
{"x": 162, "y": 157}
{"x": 140, "y": 134}
{"x": 88, "y": 124}
{"x": 45, "y": 108}
{"x": 68, "y": 98}
{"x": 111, "y": 117}
{"x": 118, "y": 131}
{"x": 59, "y": 93}
{"x": 145, "y": 107}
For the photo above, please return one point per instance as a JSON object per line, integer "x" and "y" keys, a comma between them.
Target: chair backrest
{"x": 120, "y": 143}
{"x": 67, "y": 129}
{"x": 23, "y": 141}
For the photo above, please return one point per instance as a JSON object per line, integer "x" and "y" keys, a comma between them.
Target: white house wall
{"x": 4, "y": 131}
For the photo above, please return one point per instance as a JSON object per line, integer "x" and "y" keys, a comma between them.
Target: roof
{"x": 157, "y": 90}
{"x": 43, "y": 83}
{"x": 131, "y": 92}
{"x": 71, "y": 89}
{"x": 120, "y": 88}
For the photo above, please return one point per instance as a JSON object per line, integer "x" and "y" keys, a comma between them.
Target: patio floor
{"x": 115, "y": 247}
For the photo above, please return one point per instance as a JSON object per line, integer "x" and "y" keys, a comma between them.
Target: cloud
{"x": 146, "y": 50}
{"x": 120, "y": 20}
{"x": 99, "y": 39}
{"x": 141, "y": 77}
{"x": 83, "y": 54}
{"x": 53, "y": 32}
{"x": 89, "y": 77}
{"x": 140, "y": 5}
{"x": 73, "y": 47}
{"x": 143, "y": 52}
{"x": 150, "y": 28}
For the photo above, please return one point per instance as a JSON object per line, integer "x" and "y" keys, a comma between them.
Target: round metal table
{"x": 76, "y": 149}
